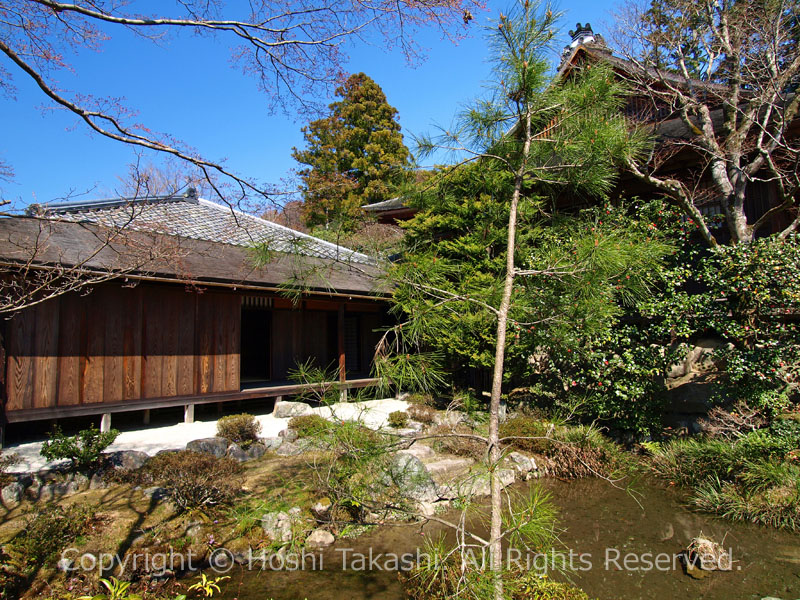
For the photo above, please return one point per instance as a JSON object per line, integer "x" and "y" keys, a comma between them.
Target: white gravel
{"x": 373, "y": 413}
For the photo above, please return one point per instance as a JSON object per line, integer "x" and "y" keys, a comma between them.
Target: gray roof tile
{"x": 199, "y": 219}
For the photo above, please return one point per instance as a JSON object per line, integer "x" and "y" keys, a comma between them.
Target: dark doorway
{"x": 255, "y": 358}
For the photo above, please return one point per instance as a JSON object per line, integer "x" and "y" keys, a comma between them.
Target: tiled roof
{"x": 390, "y": 204}
{"x": 200, "y": 219}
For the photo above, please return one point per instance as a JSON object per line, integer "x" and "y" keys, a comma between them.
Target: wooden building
{"x": 179, "y": 312}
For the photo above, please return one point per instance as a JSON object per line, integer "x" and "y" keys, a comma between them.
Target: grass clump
{"x": 422, "y": 413}
{"x": 572, "y": 451}
{"x": 194, "y": 480}
{"x": 753, "y": 478}
{"x": 241, "y": 429}
{"x": 398, "y": 419}
{"x": 309, "y": 425}
{"x": 49, "y": 531}
{"x": 458, "y": 439}
{"x": 527, "y": 433}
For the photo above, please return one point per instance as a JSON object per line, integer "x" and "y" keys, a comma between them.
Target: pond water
{"x": 600, "y": 522}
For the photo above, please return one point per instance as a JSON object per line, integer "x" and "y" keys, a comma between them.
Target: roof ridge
{"x": 78, "y": 205}
{"x": 294, "y": 232}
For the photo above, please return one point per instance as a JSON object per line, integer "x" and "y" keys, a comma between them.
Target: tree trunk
{"x": 496, "y": 531}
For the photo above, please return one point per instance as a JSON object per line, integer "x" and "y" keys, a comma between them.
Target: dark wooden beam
{"x": 99, "y": 408}
{"x": 340, "y": 333}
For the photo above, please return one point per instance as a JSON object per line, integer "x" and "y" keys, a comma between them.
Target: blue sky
{"x": 187, "y": 87}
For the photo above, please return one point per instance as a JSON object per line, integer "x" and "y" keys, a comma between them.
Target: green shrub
{"x": 49, "y": 531}
{"x": 195, "y": 480}
{"x": 7, "y": 460}
{"x": 355, "y": 476}
{"x": 456, "y": 440}
{"x": 242, "y": 429}
{"x": 84, "y": 449}
{"x": 398, "y": 419}
{"x": 422, "y": 413}
{"x": 527, "y": 433}
{"x": 309, "y": 425}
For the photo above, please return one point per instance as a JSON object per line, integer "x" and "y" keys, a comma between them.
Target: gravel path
{"x": 373, "y": 413}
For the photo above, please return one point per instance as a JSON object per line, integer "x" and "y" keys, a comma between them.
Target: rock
{"x": 319, "y": 538}
{"x": 194, "y": 529}
{"x": 480, "y": 485}
{"x": 523, "y": 464}
{"x": 413, "y": 479}
{"x": 155, "y": 492}
{"x": 708, "y": 555}
{"x": 448, "y": 468}
{"x": 79, "y": 483}
{"x": 426, "y": 509}
{"x": 236, "y": 453}
{"x": 405, "y": 432}
{"x": 271, "y": 443}
{"x": 421, "y": 451}
{"x": 287, "y": 410}
{"x": 289, "y": 435}
{"x": 127, "y": 459}
{"x": 46, "y": 492}
{"x": 277, "y": 526}
{"x": 97, "y": 482}
{"x": 216, "y": 446}
{"x": 11, "y": 494}
{"x": 322, "y": 510}
{"x": 256, "y": 450}
{"x": 65, "y": 565}
{"x": 289, "y": 449}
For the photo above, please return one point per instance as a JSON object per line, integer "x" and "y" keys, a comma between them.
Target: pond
{"x": 603, "y": 524}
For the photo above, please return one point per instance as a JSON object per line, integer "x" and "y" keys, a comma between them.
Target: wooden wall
{"x": 120, "y": 344}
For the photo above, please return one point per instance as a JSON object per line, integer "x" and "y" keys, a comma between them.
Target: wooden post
{"x": 188, "y": 413}
{"x": 105, "y": 422}
{"x": 146, "y": 417}
{"x": 342, "y": 362}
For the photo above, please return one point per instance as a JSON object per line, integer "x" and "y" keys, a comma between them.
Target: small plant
{"x": 48, "y": 532}
{"x": 207, "y": 587}
{"x": 117, "y": 590}
{"x": 241, "y": 429}
{"x": 7, "y": 460}
{"x": 84, "y": 449}
{"x": 398, "y": 419}
{"x": 422, "y": 413}
{"x": 194, "y": 480}
{"x": 309, "y": 425}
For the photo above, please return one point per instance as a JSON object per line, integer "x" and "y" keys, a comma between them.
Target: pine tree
{"x": 354, "y": 156}
{"x": 488, "y": 266}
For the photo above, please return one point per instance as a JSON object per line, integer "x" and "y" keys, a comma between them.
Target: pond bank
{"x": 603, "y": 523}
